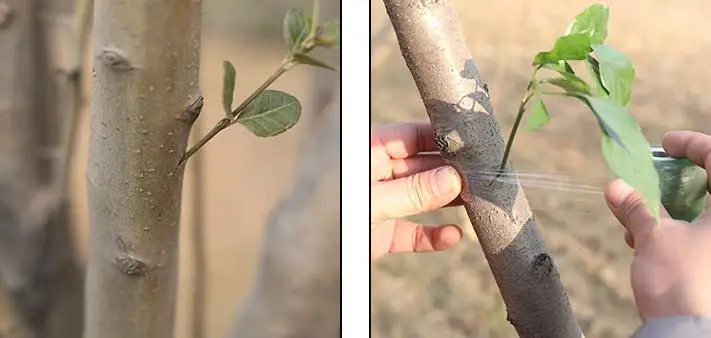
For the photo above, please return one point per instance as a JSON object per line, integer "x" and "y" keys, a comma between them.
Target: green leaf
{"x": 570, "y": 83}
{"x": 568, "y": 47}
{"x": 633, "y": 164}
{"x": 539, "y": 116}
{"x": 297, "y": 26}
{"x": 626, "y": 150}
{"x": 594, "y": 71}
{"x": 228, "y": 87}
{"x": 271, "y": 113}
{"x": 560, "y": 67}
{"x": 307, "y": 60}
{"x": 616, "y": 71}
{"x": 591, "y": 22}
{"x": 329, "y": 34}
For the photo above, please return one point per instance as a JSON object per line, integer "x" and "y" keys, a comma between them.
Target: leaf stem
{"x": 530, "y": 91}
{"x": 517, "y": 122}
{"x": 286, "y": 65}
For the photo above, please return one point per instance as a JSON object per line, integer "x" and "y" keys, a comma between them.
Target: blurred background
{"x": 244, "y": 176}
{"x": 452, "y": 293}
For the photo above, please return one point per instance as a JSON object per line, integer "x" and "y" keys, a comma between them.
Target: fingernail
{"x": 446, "y": 181}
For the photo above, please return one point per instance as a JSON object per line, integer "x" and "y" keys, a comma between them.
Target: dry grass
{"x": 452, "y": 294}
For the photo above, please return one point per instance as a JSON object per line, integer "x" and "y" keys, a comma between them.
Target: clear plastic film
{"x": 683, "y": 186}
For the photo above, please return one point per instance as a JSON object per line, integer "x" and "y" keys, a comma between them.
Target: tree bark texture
{"x": 39, "y": 268}
{"x": 296, "y": 293}
{"x": 145, "y": 99}
{"x": 457, "y": 103}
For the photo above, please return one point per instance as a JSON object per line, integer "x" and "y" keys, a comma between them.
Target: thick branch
{"x": 457, "y": 102}
{"x": 296, "y": 293}
{"x": 146, "y": 62}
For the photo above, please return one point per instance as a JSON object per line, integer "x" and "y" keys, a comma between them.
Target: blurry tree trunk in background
{"x": 297, "y": 291}
{"x": 144, "y": 102}
{"x": 324, "y": 80}
{"x": 38, "y": 102}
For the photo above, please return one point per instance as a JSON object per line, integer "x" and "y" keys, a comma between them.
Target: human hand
{"x": 670, "y": 273}
{"x": 406, "y": 181}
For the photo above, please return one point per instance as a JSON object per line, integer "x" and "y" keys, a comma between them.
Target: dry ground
{"x": 452, "y": 294}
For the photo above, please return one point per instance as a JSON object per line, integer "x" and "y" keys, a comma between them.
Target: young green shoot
{"x": 267, "y": 112}
{"x": 623, "y": 145}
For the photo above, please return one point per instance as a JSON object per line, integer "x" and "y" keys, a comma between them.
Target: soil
{"x": 452, "y": 293}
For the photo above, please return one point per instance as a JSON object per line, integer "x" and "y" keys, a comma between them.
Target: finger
{"x": 413, "y": 165}
{"x": 629, "y": 239}
{"x": 403, "y": 140}
{"x": 414, "y": 194}
{"x": 413, "y": 237}
{"x": 689, "y": 144}
{"x": 629, "y": 208}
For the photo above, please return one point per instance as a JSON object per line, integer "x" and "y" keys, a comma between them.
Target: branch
{"x": 457, "y": 103}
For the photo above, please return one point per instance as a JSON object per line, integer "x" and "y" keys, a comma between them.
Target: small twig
{"x": 286, "y": 65}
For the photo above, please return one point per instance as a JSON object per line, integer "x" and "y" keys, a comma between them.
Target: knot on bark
{"x": 131, "y": 266}
{"x": 449, "y": 143}
{"x": 127, "y": 263}
{"x": 114, "y": 59}
{"x": 192, "y": 112}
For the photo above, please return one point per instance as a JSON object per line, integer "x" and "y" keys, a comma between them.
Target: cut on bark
{"x": 468, "y": 136}
{"x": 297, "y": 289}
{"x": 145, "y": 99}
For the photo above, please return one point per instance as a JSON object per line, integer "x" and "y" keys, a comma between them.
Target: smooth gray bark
{"x": 145, "y": 100}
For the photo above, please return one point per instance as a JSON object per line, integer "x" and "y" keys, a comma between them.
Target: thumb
{"x": 629, "y": 208}
{"x": 414, "y": 194}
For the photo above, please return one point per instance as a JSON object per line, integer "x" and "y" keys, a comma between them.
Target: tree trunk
{"x": 297, "y": 292}
{"x": 145, "y": 100}
{"x": 457, "y": 103}
{"x": 38, "y": 265}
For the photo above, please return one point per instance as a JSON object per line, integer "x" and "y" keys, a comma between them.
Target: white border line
{"x": 355, "y": 84}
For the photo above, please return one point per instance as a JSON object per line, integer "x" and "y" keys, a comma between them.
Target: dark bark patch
{"x": 543, "y": 265}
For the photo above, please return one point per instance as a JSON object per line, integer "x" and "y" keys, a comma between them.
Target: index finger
{"x": 403, "y": 140}
{"x": 689, "y": 144}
